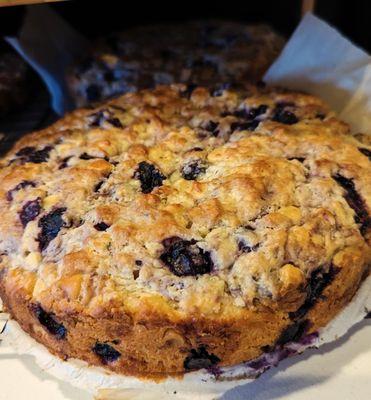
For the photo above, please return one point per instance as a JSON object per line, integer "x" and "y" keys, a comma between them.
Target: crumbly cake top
{"x": 201, "y": 201}
{"x": 198, "y": 52}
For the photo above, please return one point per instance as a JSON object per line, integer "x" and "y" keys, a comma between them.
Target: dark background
{"x": 95, "y": 18}
{"x": 98, "y": 17}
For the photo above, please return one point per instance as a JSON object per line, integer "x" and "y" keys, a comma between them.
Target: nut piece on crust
{"x": 210, "y": 53}
{"x": 172, "y": 229}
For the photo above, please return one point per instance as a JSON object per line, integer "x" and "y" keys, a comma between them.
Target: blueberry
{"x": 93, "y": 92}
{"x": 50, "y": 225}
{"x": 86, "y": 156}
{"x": 101, "y": 116}
{"x": 219, "y": 89}
{"x": 293, "y": 333}
{"x": 243, "y": 247}
{"x": 98, "y": 186}
{"x": 320, "y": 116}
{"x": 200, "y": 358}
{"x": 187, "y": 93}
{"x": 251, "y": 113}
{"x": 192, "y": 170}
{"x": 21, "y": 185}
{"x": 138, "y": 263}
{"x": 106, "y": 352}
{"x": 149, "y": 176}
{"x": 64, "y": 163}
{"x": 280, "y": 114}
{"x": 101, "y": 226}
{"x": 300, "y": 159}
{"x": 355, "y": 202}
{"x": 212, "y": 127}
{"x": 29, "y": 211}
{"x": 244, "y": 126}
{"x": 318, "y": 282}
{"x": 366, "y": 152}
{"x": 31, "y": 155}
{"x": 185, "y": 258}
{"x": 49, "y": 322}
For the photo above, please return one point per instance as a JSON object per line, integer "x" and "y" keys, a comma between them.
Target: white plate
{"x": 339, "y": 371}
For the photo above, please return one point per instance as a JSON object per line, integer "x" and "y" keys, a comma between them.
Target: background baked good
{"x": 202, "y": 53}
{"x": 14, "y": 84}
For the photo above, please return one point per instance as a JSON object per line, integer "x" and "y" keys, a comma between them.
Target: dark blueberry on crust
{"x": 93, "y": 92}
{"x": 64, "y": 163}
{"x": 98, "y": 186}
{"x": 212, "y": 127}
{"x": 101, "y": 226}
{"x": 25, "y": 151}
{"x": 355, "y": 202}
{"x": 31, "y": 155}
{"x": 21, "y": 185}
{"x": 101, "y": 116}
{"x": 138, "y": 263}
{"x": 366, "y": 152}
{"x": 187, "y": 93}
{"x": 149, "y": 176}
{"x": 318, "y": 282}
{"x": 105, "y": 352}
{"x": 219, "y": 89}
{"x": 320, "y": 116}
{"x": 244, "y": 126}
{"x": 251, "y": 113}
{"x": 192, "y": 170}
{"x": 280, "y": 114}
{"x": 200, "y": 358}
{"x": 86, "y": 156}
{"x": 300, "y": 159}
{"x": 48, "y": 321}
{"x": 50, "y": 225}
{"x": 293, "y": 332}
{"x": 185, "y": 258}
{"x": 243, "y": 247}
{"x": 29, "y": 211}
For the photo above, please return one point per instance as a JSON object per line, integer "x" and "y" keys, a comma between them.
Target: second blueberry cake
{"x": 202, "y": 53}
{"x": 182, "y": 228}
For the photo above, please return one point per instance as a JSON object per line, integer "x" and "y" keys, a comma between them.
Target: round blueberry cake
{"x": 198, "y": 52}
{"x": 182, "y": 228}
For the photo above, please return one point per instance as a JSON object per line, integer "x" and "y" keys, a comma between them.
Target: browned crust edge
{"x": 153, "y": 347}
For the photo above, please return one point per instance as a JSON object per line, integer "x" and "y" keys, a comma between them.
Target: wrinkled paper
{"x": 318, "y": 60}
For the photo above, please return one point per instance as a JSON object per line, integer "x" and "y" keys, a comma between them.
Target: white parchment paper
{"x": 317, "y": 59}
{"x": 49, "y": 45}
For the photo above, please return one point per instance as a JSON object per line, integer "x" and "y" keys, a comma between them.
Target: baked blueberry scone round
{"x": 179, "y": 228}
{"x": 197, "y": 52}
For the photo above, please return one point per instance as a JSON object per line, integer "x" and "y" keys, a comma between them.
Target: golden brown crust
{"x": 228, "y": 235}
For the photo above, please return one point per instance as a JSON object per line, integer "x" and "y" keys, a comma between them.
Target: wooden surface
{"x": 307, "y": 6}
{"x": 4, "y": 3}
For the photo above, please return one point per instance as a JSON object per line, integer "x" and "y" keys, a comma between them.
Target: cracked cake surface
{"x": 176, "y": 229}
{"x": 204, "y": 53}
